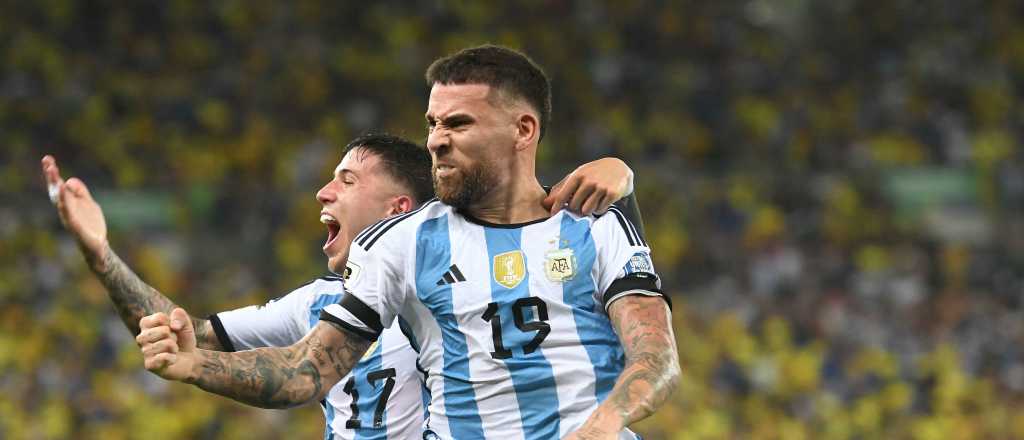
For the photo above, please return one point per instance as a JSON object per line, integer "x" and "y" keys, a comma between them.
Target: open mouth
{"x": 333, "y": 228}
{"x": 443, "y": 171}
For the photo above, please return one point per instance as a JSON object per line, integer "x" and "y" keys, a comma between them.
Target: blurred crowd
{"x": 833, "y": 191}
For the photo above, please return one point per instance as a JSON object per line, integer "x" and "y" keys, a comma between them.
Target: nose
{"x": 326, "y": 194}
{"x": 437, "y": 141}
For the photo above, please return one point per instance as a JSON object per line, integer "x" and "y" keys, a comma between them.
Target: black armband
{"x": 640, "y": 283}
{"x": 360, "y": 311}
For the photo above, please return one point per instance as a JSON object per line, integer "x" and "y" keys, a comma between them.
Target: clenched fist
{"x": 168, "y": 344}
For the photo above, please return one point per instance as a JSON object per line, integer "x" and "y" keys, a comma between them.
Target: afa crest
{"x": 509, "y": 269}
{"x": 560, "y": 265}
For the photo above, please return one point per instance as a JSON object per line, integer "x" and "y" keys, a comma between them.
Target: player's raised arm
{"x": 267, "y": 377}
{"x": 83, "y": 217}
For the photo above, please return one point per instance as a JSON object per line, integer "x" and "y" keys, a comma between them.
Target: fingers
{"x": 594, "y": 202}
{"x": 77, "y": 187}
{"x": 51, "y": 174}
{"x": 162, "y": 346}
{"x": 160, "y": 361}
{"x": 561, "y": 193}
{"x": 155, "y": 320}
{"x": 182, "y": 325}
{"x": 605, "y": 203}
{"x": 155, "y": 334}
{"x": 583, "y": 193}
{"x": 50, "y": 170}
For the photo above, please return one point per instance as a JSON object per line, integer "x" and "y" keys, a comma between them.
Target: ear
{"x": 527, "y": 130}
{"x": 400, "y": 205}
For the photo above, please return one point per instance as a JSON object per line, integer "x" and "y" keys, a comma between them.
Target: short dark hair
{"x": 405, "y": 161}
{"x": 501, "y": 68}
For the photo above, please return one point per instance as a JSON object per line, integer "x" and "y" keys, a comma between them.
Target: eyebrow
{"x": 341, "y": 172}
{"x": 457, "y": 117}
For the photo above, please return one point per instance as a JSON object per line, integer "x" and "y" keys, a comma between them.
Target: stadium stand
{"x": 833, "y": 192}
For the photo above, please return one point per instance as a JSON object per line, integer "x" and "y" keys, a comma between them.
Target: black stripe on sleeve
{"x": 362, "y": 312}
{"x": 629, "y": 224}
{"x": 324, "y": 316}
{"x": 625, "y": 228}
{"x": 630, "y": 207}
{"x": 636, "y": 234}
{"x": 640, "y": 282}
{"x": 222, "y": 335}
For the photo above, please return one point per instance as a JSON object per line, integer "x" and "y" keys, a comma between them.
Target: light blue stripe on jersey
{"x": 433, "y": 258}
{"x": 314, "y": 317}
{"x": 369, "y": 395}
{"x": 532, "y": 377}
{"x": 594, "y": 328}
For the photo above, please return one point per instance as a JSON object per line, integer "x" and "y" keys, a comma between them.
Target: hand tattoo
{"x": 282, "y": 377}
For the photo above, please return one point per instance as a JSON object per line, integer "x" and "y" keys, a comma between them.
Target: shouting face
{"x": 360, "y": 193}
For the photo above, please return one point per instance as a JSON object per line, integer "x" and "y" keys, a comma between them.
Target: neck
{"x": 518, "y": 199}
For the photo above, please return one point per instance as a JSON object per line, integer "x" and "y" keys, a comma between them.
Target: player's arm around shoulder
{"x": 644, "y": 326}
{"x": 267, "y": 377}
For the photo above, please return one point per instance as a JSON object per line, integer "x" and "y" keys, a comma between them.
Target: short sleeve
{"x": 278, "y": 323}
{"x": 375, "y": 285}
{"x": 624, "y": 266}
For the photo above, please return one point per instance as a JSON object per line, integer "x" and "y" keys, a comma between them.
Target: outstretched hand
{"x": 168, "y": 344}
{"x": 79, "y": 213}
{"x": 592, "y": 187}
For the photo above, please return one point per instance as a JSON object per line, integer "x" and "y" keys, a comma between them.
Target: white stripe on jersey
{"x": 492, "y": 380}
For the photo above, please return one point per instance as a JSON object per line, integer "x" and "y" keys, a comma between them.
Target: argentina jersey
{"x": 381, "y": 398}
{"x": 510, "y": 320}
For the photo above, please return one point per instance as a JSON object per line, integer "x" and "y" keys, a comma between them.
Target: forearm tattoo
{"x": 281, "y": 377}
{"x": 652, "y": 365}
{"x": 134, "y": 299}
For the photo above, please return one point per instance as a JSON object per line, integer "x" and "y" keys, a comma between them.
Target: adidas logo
{"x": 453, "y": 275}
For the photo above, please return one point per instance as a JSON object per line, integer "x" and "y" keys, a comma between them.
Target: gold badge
{"x": 509, "y": 269}
{"x": 560, "y": 265}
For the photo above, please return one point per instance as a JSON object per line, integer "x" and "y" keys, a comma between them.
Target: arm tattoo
{"x": 134, "y": 299}
{"x": 652, "y": 365}
{"x": 282, "y": 377}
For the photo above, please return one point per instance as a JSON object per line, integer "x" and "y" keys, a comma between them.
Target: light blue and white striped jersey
{"x": 511, "y": 320}
{"x": 383, "y": 397}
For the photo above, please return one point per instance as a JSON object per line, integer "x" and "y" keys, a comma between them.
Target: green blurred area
{"x": 833, "y": 192}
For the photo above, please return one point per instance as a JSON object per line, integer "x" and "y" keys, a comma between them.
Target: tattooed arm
{"x": 83, "y": 217}
{"x": 264, "y": 377}
{"x": 644, "y": 326}
{"x": 134, "y": 299}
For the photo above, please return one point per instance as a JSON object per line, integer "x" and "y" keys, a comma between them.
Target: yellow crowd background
{"x": 833, "y": 191}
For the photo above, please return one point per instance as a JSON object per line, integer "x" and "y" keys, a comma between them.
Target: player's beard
{"x": 470, "y": 185}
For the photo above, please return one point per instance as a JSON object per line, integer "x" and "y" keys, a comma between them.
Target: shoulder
{"x": 615, "y": 222}
{"x": 400, "y": 228}
{"x": 325, "y": 285}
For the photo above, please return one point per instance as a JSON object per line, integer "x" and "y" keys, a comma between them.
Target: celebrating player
{"x": 379, "y": 175}
{"x": 528, "y": 324}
